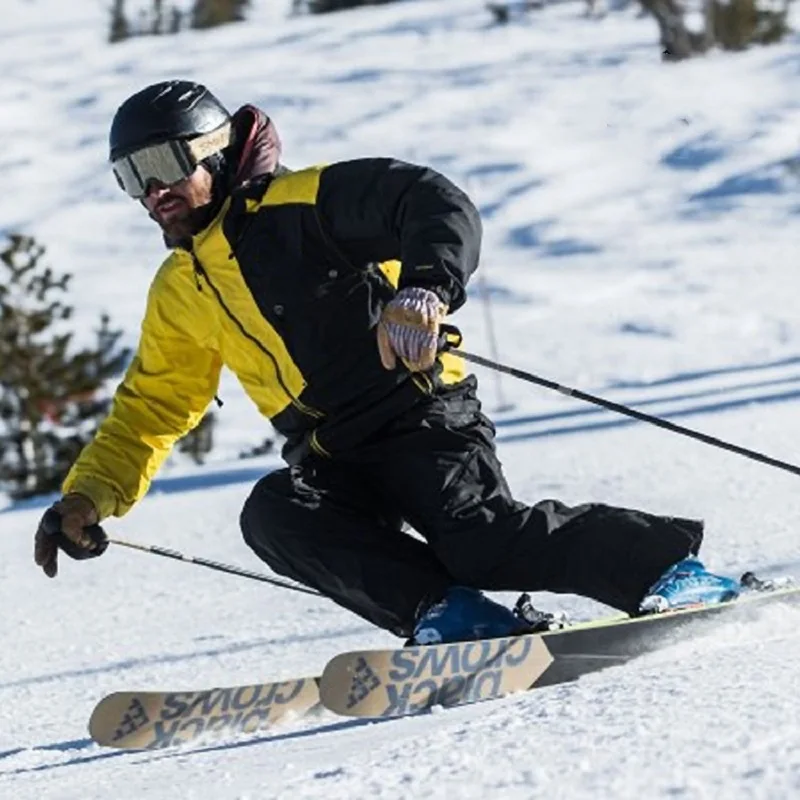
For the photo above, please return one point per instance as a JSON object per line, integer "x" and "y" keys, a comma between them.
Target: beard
{"x": 196, "y": 210}
{"x": 177, "y": 229}
{"x": 180, "y": 228}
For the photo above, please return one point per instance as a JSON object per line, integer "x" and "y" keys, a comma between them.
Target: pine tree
{"x": 200, "y": 440}
{"x": 728, "y": 24}
{"x": 210, "y": 13}
{"x": 159, "y": 19}
{"x": 49, "y": 403}
{"x": 326, "y": 6}
{"x": 120, "y": 29}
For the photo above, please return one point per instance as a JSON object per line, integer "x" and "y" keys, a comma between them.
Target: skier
{"x": 324, "y": 291}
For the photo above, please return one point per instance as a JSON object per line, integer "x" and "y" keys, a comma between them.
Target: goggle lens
{"x": 167, "y": 163}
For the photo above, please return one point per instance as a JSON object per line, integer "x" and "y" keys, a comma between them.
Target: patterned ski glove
{"x": 409, "y": 328}
{"x": 69, "y": 525}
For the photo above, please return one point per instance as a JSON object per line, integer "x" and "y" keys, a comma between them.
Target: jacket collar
{"x": 255, "y": 152}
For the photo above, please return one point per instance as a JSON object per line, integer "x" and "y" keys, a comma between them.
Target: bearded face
{"x": 174, "y": 207}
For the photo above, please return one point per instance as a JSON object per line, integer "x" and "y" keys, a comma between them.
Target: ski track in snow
{"x": 640, "y": 243}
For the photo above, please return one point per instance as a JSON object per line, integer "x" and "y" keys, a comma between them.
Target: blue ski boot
{"x": 465, "y": 614}
{"x": 688, "y": 583}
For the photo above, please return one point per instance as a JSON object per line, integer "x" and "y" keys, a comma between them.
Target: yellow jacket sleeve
{"x": 164, "y": 394}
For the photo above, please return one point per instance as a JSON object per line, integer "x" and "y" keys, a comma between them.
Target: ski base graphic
{"x": 154, "y": 720}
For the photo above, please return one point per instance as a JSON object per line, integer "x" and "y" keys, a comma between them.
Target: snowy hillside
{"x": 641, "y": 242}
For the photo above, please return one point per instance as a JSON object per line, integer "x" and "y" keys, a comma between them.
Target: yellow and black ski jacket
{"x": 285, "y": 287}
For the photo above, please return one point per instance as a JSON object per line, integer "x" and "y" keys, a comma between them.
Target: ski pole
{"x": 502, "y": 405}
{"x": 451, "y": 337}
{"x": 204, "y": 562}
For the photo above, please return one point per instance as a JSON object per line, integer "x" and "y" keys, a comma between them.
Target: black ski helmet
{"x": 164, "y": 112}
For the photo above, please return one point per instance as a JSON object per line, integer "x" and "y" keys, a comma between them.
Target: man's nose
{"x": 155, "y": 188}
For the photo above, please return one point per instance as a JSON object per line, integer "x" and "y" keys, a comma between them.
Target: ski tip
{"x": 114, "y": 718}
{"x": 348, "y": 679}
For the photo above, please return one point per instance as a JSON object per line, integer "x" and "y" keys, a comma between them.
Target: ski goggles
{"x": 166, "y": 163}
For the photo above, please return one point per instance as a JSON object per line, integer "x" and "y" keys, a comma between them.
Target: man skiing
{"x": 324, "y": 291}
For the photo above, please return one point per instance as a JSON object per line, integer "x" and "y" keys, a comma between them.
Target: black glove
{"x": 69, "y": 525}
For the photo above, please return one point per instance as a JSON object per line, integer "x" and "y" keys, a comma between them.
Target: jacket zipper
{"x": 296, "y": 402}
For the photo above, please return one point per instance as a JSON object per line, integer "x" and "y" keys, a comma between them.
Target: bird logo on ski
{"x": 364, "y": 682}
{"x": 410, "y": 680}
{"x": 135, "y": 717}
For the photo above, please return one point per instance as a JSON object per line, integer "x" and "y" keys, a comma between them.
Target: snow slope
{"x": 641, "y": 243}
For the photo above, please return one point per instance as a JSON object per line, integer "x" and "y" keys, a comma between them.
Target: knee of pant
{"x": 247, "y": 524}
{"x": 258, "y": 519}
{"x": 265, "y": 539}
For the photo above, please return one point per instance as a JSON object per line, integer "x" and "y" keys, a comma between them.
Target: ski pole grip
{"x": 449, "y": 337}
{"x": 51, "y": 525}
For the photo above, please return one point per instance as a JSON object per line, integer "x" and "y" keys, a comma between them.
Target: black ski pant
{"x": 336, "y": 525}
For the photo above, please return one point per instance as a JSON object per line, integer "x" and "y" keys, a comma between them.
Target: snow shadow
{"x": 260, "y": 741}
{"x": 78, "y": 744}
{"x": 594, "y": 410}
{"x": 500, "y": 294}
{"x": 694, "y": 154}
{"x": 728, "y": 194}
{"x": 357, "y": 76}
{"x": 533, "y": 236}
{"x": 175, "y": 658}
{"x": 499, "y": 177}
{"x": 645, "y": 329}
{"x": 619, "y": 422}
{"x": 712, "y": 400}
{"x": 491, "y": 208}
{"x": 99, "y": 754}
{"x": 170, "y": 484}
{"x": 494, "y": 169}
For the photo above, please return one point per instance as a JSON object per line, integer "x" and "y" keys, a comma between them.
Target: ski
{"x": 392, "y": 683}
{"x": 408, "y": 680}
{"x": 154, "y": 720}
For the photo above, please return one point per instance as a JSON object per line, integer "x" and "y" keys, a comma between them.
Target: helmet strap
{"x": 201, "y": 147}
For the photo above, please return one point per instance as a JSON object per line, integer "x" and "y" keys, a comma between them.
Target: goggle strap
{"x": 182, "y": 157}
{"x": 209, "y": 143}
